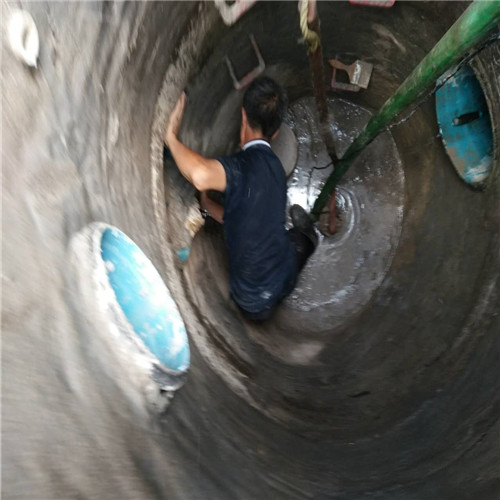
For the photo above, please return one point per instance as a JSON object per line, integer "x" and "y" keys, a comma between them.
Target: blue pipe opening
{"x": 145, "y": 300}
{"x": 465, "y": 126}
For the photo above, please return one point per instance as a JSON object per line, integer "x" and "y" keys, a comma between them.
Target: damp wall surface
{"x": 396, "y": 400}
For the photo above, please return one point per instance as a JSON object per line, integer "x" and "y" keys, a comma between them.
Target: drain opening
{"x": 145, "y": 300}
{"x": 465, "y": 126}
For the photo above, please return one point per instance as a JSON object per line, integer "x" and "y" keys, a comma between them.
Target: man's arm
{"x": 203, "y": 173}
{"x": 215, "y": 210}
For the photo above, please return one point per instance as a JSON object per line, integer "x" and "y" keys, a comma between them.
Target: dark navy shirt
{"x": 262, "y": 260}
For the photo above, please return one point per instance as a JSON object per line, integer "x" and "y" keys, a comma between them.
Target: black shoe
{"x": 304, "y": 223}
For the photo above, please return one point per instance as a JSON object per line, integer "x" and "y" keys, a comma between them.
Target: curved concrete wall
{"x": 400, "y": 399}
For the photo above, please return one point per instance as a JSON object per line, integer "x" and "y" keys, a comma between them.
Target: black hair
{"x": 264, "y": 103}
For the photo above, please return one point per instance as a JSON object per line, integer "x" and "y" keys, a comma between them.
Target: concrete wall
{"x": 81, "y": 141}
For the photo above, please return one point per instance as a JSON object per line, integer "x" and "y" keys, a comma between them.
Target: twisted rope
{"x": 310, "y": 36}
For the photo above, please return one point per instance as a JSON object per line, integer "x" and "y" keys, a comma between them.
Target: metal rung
{"x": 249, "y": 77}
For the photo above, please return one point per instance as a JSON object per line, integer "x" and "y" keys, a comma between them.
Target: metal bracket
{"x": 359, "y": 73}
{"x": 247, "y": 79}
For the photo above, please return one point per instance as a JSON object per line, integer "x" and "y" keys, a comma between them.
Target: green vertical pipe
{"x": 471, "y": 26}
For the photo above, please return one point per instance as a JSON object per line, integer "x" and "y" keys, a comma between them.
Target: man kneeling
{"x": 264, "y": 258}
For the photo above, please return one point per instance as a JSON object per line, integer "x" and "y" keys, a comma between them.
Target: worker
{"x": 264, "y": 258}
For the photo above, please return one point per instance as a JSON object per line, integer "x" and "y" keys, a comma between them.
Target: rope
{"x": 310, "y": 36}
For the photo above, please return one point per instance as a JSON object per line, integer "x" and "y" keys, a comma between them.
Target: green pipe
{"x": 471, "y": 26}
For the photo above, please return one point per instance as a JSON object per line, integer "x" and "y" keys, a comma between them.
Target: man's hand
{"x": 175, "y": 119}
{"x": 215, "y": 210}
{"x": 204, "y": 200}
